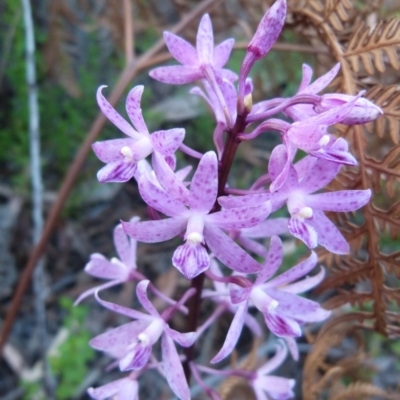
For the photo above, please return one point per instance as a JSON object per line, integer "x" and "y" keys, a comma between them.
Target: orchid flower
{"x": 192, "y": 258}
{"x": 204, "y": 61}
{"x": 282, "y": 309}
{"x": 308, "y": 222}
{"x": 122, "y": 155}
{"x": 117, "y": 270}
{"x": 132, "y": 343}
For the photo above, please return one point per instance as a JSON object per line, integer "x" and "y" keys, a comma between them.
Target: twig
{"x": 125, "y": 78}
{"x": 128, "y": 32}
{"x": 37, "y": 191}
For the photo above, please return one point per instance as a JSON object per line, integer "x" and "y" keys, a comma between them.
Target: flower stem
{"x": 192, "y": 321}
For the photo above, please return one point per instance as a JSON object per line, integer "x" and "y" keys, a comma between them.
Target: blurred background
{"x": 80, "y": 45}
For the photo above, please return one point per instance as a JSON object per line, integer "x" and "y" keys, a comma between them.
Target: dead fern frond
{"x": 361, "y": 391}
{"x": 375, "y": 48}
{"x": 320, "y": 368}
{"x": 335, "y": 12}
{"x": 388, "y": 98}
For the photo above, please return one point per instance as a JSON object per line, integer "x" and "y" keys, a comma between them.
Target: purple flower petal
{"x": 306, "y": 283}
{"x": 307, "y": 73}
{"x": 98, "y": 288}
{"x": 110, "y": 150}
{"x": 205, "y": 41}
{"x": 293, "y": 349}
{"x": 328, "y": 235}
{"x": 268, "y": 228}
{"x": 167, "y": 142}
{"x": 342, "y": 201}
{"x": 191, "y": 259}
{"x": 296, "y": 307}
{"x": 125, "y": 389}
{"x": 176, "y": 74}
{"x": 204, "y": 186}
{"x": 136, "y": 357}
{"x": 275, "y": 361}
{"x": 294, "y": 273}
{"x": 184, "y": 339}
{"x": 170, "y": 181}
{"x": 222, "y": 52}
{"x": 128, "y": 312}
{"x": 126, "y": 248}
{"x": 323, "y": 81}
{"x": 160, "y": 199}
{"x": 109, "y": 112}
{"x": 173, "y": 369}
{"x": 117, "y": 171}
{"x": 180, "y": 49}
{"x": 228, "y": 252}
{"x": 306, "y": 138}
{"x": 233, "y": 334}
{"x": 116, "y": 341}
{"x": 228, "y": 75}
{"x": 280, "y": 180}
{"x": 243, "y": 217}
{"x": 277, "y": 161}
{"x": 133, "y": 109}
{"x": 272, "y": 262}
{"x": 321, "y": 173}
{"x": 276, "y": 387}
{"x": 304, "y": 231}
{"x": 141, "y": 293}
{"x": 238, "y": 294}
{"x": 282, "y": 326}
{"x": 244, "y": 201}
{"x": 155, "y": 231}
{"x": 100, "y": 267}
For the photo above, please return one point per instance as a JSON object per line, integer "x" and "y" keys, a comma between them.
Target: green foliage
{"x": 70, "y": 362}
{"x": 70, "y": 365}
{"x": 64, "y": 120}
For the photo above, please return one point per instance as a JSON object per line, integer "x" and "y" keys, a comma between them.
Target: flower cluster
{"x": 219, "y": 225}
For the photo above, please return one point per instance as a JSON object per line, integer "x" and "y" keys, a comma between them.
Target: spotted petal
{"x": 110, "y": 113}
{"x": 134, "y": 111}
{"x": 155, "y": 231}
{"x": 180, "y": 49}
{"x": 173, "y": 369}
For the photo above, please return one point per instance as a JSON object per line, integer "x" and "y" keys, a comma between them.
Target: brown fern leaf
{"x": 384, "y": 175}
{"x": 345, "y": 297}
{"x": 319, "y": 373}
{"x": 391, "y": 263}
{"x": 334, "y": 11}
{"x": 375, "y": 48}
{"x": 349, "y": 271}
{"x": 362, "y": 391}
{"x": 389, "y": 100}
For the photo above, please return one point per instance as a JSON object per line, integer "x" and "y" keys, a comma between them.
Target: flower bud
{"x": 268, "y": 30}
{"x": 363, "y": 111}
